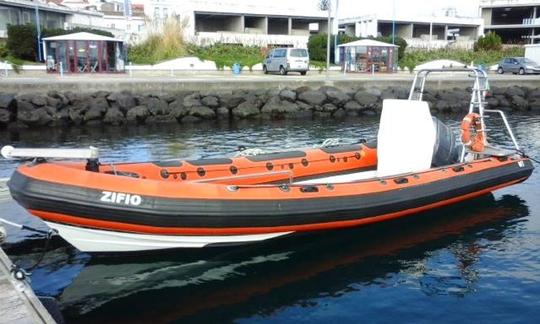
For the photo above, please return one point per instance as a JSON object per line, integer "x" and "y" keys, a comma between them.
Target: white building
{"x": 79, "y": 13}
{"x": 272, "y": 23}
{"x": 515, "y": 21}
{"x": 420, "y": 32}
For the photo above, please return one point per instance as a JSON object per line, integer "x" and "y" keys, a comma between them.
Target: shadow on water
{"x": 224, "y": 284}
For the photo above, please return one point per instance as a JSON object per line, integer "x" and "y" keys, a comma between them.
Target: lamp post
{"x": 326, "y": 5}
{"x": 38, "y": 36}
{"x": 336, "y": 52}
{"x": 393, "y": 22}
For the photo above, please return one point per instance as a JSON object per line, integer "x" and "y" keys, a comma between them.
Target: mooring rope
{"x": 16, "y": 271}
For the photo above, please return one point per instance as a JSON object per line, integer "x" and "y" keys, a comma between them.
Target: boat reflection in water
{"x": 224, "y": 284}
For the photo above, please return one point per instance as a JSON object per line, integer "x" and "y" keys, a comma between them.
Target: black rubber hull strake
{"x": 194, "y": 213}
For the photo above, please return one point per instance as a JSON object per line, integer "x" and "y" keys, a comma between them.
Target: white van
{"x": 287, "y": 59}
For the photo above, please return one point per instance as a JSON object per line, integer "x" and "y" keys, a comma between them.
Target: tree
{"x": 21, "y": 41}
{"x": 490, "y": 41}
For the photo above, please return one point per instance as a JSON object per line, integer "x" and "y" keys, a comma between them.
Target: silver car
{"x": 284, "y": 60}
{"x": 521, "y": 65}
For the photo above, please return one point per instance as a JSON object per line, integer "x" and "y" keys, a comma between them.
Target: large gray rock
{"x": 178, "y": 110}
{"x": 287, "y": 94}
{"x": 157, "y": 106}
{"x": 312, "y": 97}
{"x": 327, "y": 107}
{"x": 514, "y": 91}
{"x": 535, "y": 105}
{"x": 232, "y": 100}
{"x": 492, "y": 102}
{"x": 114, "y": 116}
{"x": 366, "y": 99}
{"x": 202, "y": 112}
{"x": 125, "y": 101}
{"x": 451, "y": 95}
{"x": 246, "y": 109}
{"x": 189, "y": 119}
{"x": 137, "y": 114}
{"x": 5, "y": 117}
{"x": 302, "y": 106}
{"x": 278, "y": 108}
{"x": 97, "y": 107}
{"x": 353, "y": 106}
{"x": 101, "y": 94}
{"x": 191, "y": 100}
{"x": 36, "y": 117}
{"x": 7, "y": 100}
{"x": 388, "y": 93}
{"x": 59, "y": 96}
{"x": 223, "y": 112}
{"x": 75, "y": 116}
{"x": 533, "y": 94}
{"x": 503, "y": 102}
{"x": 210, "y": 101}
{"x": 302, "y": 89}
{"x": 94, "y": 114}
{"x": 54, "y": 102}
{"x": 519, "y": 103}
{"x": 374, "y": 91}
{"x": 337, "y": 97}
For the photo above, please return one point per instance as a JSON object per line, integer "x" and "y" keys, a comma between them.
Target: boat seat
{"x": 406, "y": 137}
{"x": 343, "y": 178}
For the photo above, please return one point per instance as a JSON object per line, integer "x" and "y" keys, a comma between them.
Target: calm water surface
{"x": 474, "y": 262}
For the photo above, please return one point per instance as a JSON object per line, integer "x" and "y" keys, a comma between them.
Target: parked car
{"x": 521, "y": 65}
{"x": 287, "y": 59}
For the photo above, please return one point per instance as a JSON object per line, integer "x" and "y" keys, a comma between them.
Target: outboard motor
{"x": 446, "y": 150}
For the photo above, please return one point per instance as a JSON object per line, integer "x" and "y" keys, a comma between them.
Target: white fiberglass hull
{"x": 92, "y": 240}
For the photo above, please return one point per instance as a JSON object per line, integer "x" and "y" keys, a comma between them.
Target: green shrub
{"x": 228, "y": 54}
{"x": 488, "y": 57}
{"x": 22, "y": 42}
{"x": 489, "y": 42}
{"x": 161, "y": 45}
{"x": 3, "y": 51}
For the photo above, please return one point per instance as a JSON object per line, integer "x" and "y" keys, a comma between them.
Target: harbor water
{"x": 476, "y": 262}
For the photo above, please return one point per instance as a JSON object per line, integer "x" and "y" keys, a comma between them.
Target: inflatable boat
{"x": 415, "y": 164}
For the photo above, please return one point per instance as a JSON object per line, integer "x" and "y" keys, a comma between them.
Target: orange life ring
{"x": 477, "y": 142}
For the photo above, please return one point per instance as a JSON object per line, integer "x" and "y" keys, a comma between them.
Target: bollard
{"x": 61, "y": 69}
{"x": 172, "y": 72}
{"x": 130, "y": 70}
{"x": 372, "y": 69}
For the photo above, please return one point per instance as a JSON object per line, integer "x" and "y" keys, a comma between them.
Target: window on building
{"x": 26, "y": 17}
{"x": 156, "y": 13}
{"x": 165, "y": 13}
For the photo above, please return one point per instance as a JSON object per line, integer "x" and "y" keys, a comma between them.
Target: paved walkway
{"x": 18, "y": 303}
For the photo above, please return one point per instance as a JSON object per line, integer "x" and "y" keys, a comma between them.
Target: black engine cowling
{"x": 446, "y": 149}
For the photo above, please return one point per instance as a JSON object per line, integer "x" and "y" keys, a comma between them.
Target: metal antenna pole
{"x": 38, "y": 28}
{"x": 336, "y": 52}
{"x": 394, "y": 22}
{"x": 328, "y": 40}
